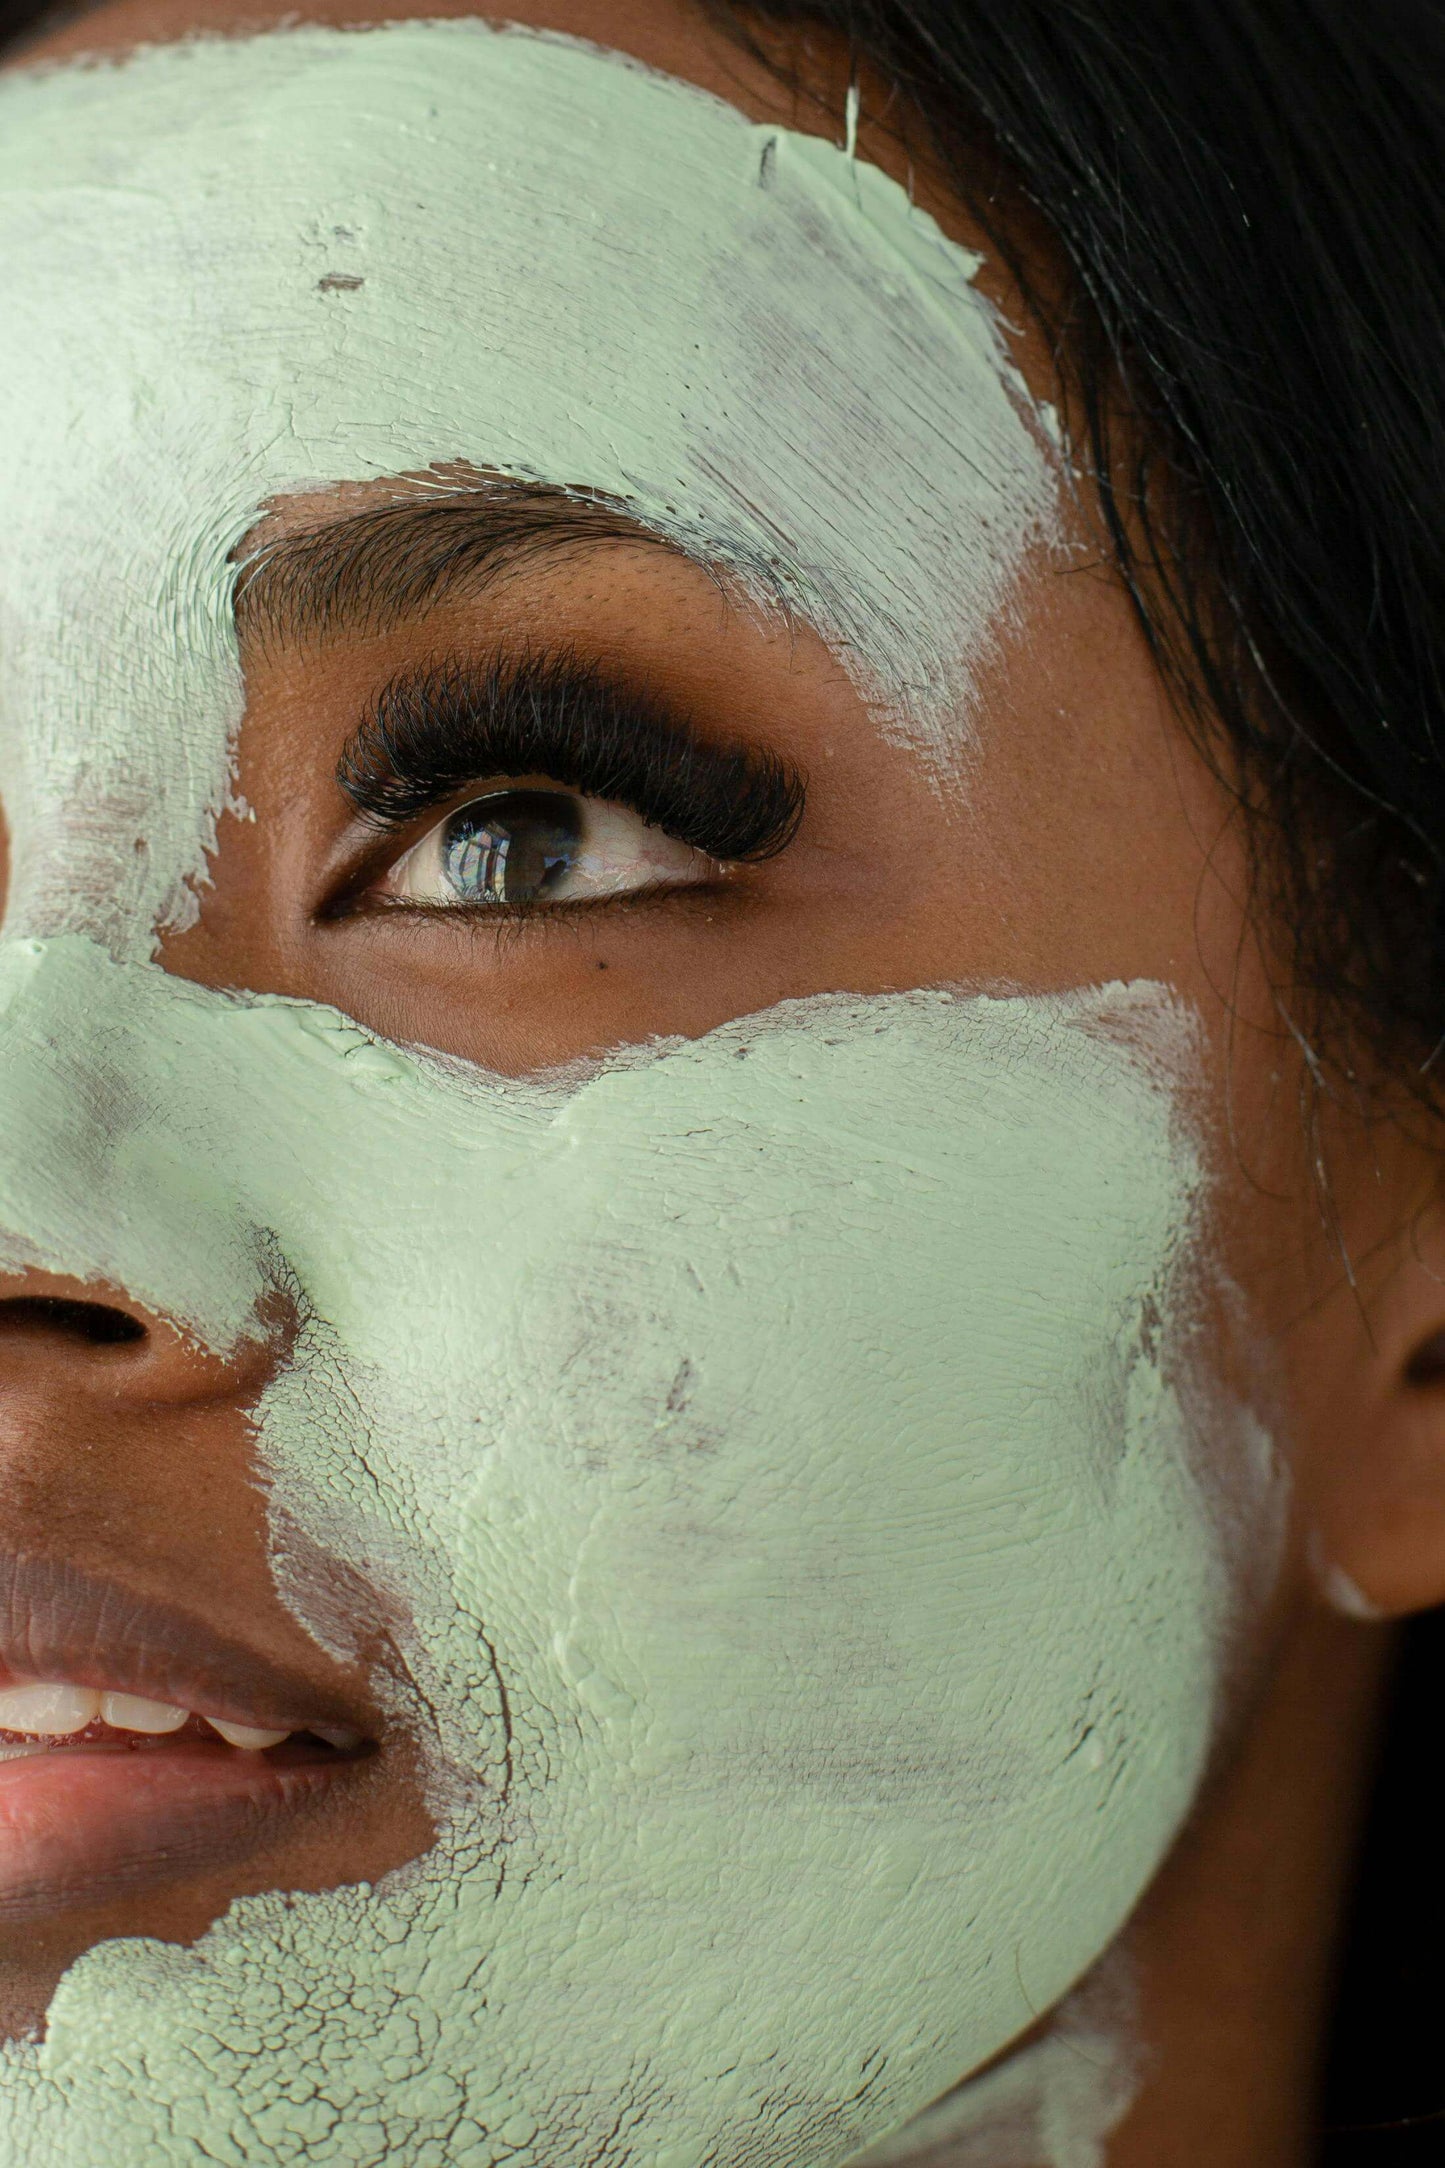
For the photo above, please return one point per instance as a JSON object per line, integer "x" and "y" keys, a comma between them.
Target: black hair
{"x": 1249, "y": 200}
{"x": 1248, "y": 197}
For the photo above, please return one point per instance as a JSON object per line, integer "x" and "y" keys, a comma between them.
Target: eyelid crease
{"x": 440, "y": 726}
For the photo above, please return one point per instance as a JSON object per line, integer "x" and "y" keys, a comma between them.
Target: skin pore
{"x": 1088, "y": 844}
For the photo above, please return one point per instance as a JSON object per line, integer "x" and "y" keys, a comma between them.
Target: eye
{"x": 520, "y": 846}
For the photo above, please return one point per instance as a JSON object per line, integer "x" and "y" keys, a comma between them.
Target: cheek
{"x": 804, "y": 1527}
{"x": 778, "y": 1450}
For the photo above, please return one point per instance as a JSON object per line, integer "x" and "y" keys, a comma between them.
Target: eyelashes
{"x": 437, "y": 728}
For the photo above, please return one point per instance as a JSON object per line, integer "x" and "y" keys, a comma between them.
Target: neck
{"x": 1236, "y": 1943}
{"x": 1198, "y": 2037}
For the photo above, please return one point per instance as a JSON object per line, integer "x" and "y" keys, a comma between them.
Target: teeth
{"x": 132, "y": 1712}
{"x": 51, "y": 1711}
{"x": 47, "y": 1711}
{"x": 341, "y": 1736}
{"x": 246, "y": 1735}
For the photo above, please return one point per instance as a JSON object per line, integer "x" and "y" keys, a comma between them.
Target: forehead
{"x": 236, "y": 269}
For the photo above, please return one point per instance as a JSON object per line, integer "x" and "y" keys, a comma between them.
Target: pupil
{"x": 511, "y": 848}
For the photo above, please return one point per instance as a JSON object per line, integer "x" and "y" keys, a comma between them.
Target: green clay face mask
{"x": 818, "y": 1530}
{"x": 248, "y": 300}
{"x": 814, "y": 1581}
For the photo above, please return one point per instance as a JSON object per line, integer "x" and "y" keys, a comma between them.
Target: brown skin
{"x": 134, "y": 1462}
{"x": 1092, "y": 842}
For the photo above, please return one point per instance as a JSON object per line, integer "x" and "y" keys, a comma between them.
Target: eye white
{"x": 520, "y": 845}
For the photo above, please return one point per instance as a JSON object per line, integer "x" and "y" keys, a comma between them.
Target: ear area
{"x": 1377, "y": 1535}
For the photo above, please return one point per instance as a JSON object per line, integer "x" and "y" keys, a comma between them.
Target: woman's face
{"x": 622, "y": 1011}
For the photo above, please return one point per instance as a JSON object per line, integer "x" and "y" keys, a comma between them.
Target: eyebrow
{"x": 437, "y": 727}
{"x": 371, "y": 570}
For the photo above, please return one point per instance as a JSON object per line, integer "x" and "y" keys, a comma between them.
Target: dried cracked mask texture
{"x": 814, "y": 1477}
{"x": 790, "y": 1447}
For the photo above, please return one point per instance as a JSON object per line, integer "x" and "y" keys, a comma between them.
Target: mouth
{"x": 138, "y": 1747}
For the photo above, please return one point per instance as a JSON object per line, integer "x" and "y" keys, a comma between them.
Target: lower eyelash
{"x": 497, "y": 916}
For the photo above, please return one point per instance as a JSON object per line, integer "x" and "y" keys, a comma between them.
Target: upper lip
{"x": 60, "y": 1621}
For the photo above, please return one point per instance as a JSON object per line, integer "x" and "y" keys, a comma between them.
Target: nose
{"x": 100, "y": 1323}
{"x": 121, "y": 1177}
{"x": 75, "y": 1339}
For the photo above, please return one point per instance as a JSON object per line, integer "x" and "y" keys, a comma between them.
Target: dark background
{"x": 1385, "y": 2091}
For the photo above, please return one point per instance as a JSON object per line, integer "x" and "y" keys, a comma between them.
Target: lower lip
{"x": 83, "y": 1826}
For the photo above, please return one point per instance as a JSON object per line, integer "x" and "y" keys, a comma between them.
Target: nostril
{"x": 95, "y": 1322}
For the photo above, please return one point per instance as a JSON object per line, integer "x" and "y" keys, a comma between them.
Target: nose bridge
{"x": 113, "y": 1164}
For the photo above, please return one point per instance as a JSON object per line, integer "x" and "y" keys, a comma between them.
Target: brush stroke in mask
{"x": 791, "y": 1451}
{"x": 815, "y": 1476}
{"x": 326, "y": 256}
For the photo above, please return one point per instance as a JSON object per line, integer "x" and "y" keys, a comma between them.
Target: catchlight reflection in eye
{"x": 517, "y": 847}
{"x": 511, "y": 849}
